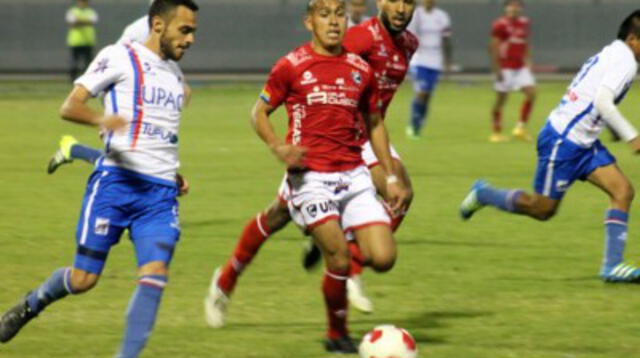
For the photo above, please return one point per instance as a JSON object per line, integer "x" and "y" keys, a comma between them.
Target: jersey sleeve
{"x": 620, "y": 72}
{"x": 105, "y": 70}
{"x": 498, "y": 30}
{"x": 278, "y": 84}
{"x": 358, "y": 40}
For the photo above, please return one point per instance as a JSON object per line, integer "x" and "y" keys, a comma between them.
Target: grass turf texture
{"x": 498, "y": 286}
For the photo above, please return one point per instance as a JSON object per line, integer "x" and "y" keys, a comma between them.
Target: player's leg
{"x": 155, "y": 231}
{"x": 620, "y": 190}
{"x": 69, "y": 149}
{"x": 425, "y": 80}
{"x": 329, "y": 238}
{"x": 378, "y": 177}
{"x": 502, "y": 88}
{"x": 94, "y": 239}
{"x": 526, "y": 81}
{"x": 253, "y": 236}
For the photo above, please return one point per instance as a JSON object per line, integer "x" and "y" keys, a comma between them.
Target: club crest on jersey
{"x": 312, "y": 210}
{"x": 357, "y": 77}
{"x": 307, "y": 78}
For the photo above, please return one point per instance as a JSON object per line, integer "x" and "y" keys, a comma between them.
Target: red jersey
{"x": 514, "y": 36}
{"x": 324, "y": 96}
{"x": 388, "y": 56}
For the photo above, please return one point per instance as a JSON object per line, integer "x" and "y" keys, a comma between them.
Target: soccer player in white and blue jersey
{"x": 569, "y": 150}
{"x": 135, "y": 184}
{"x": 432, "y": 26}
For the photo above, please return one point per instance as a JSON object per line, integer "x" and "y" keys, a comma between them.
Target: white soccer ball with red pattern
{"x": 388, "y": 341}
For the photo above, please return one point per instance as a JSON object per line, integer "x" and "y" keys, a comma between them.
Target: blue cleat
{"x": 621, "y": 273}
{"x": 470, "y": 204}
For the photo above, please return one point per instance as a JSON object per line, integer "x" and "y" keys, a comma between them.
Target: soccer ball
{"x": 388, "y": 341}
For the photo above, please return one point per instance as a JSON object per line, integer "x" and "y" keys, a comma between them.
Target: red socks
{"x": 525, "y": 111}
{"x": 253, "y": 236}
{"x": 334, "y": 288}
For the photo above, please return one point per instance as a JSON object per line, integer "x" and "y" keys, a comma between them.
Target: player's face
{"x": 396, "y": 14}
{"x": 357, "y": 8}
{"x": 178, "y": 34}
{"x": 328, "y": 23}
{"x": 513, "y": 9}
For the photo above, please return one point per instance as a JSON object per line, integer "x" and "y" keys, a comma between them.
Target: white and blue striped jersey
{"x": 149, "y": 91}
{"x": 137, "y": 31}
{"x": 430, "y": 28}
{"x": 576, "y": 117}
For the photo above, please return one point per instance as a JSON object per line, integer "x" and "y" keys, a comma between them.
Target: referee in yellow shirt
{"x": 81, "y": 37}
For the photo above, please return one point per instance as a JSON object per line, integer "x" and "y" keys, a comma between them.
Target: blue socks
{"x": 54, "y": 288}
{"x": 502, "y": 199}
{"x": 141, "y": 314}
{"x": 88, "y": 154}
{"x": 418, "y": 115}
{"x": 615, "y": 236}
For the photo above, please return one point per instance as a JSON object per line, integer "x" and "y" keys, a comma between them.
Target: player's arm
{"x": 605, "y": 104}
{"x": 379, "y": 137}
{"x": 494, "y": 52}
{"x": 447, "y": 50}
{"x": 291, "y": 155}
{"x": 187, "y": 93}
{"x": 76, "y": 109}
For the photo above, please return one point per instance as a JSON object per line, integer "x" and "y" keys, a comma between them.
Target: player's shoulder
{"x": 298, "y": 57}
{"x": 364, "y": 32}
{"x": 500, "y": 22}
{"x": 358, "y": 62}
{"x": 619, "y": 52}
{"x": 116, "y": 51}
{"x": 409, "y": 41}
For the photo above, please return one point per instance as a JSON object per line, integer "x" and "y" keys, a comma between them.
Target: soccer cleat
{"x": 215, "y": 303}
{"x": 621, "y": 273}
{"x": 412, "y": 133}
{"x": 356, "y": 295}
{"x": 63, "y": 154}
{"x": 342, "y": 345}
{"x": 470, "y": 204}
{"x": 522, "y": 134}
{"x": 310, "y": 256}
{"x": 13, "y": 320}
{"x": 497, "y": 138}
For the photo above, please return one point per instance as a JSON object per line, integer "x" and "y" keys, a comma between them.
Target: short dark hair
{"x": 509, "y": 2}
{"x": 630, "y": 25}
{"x": 311, "y": 5}
{"x": 163, "y": 7}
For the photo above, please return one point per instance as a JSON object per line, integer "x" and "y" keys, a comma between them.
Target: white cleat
{"x": 215, "y": 303}
{"x": 356, "y": 295}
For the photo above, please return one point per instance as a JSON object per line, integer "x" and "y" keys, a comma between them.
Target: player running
{"x": 135, "y": 185}
{"x": 69, "y": 148}
{"x": 384, "y": 44}
{"x": 511, "y": 60}
{"x": 569, "y": 149}
{"x": 330, "y": 96}
{"x": 432, "y": 26}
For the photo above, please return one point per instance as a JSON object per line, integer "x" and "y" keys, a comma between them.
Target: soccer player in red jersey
{"x": 330, "y": 96}
{"x": 511, "y": 59}
{"x": 383, "y": 43}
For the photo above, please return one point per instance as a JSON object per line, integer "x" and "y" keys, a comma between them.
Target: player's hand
{"x": 397, "y": 195}
{"x": 183, "y": 185}
{"x": 291, "y": 155}
{"x": 113, "y": 123}
{"x": 635, "y": 145}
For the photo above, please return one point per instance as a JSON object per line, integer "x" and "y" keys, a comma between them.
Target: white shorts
{"x": 369, "y": 157}
{"x": 515, "y": 80}
{"x": 348, "y": 197}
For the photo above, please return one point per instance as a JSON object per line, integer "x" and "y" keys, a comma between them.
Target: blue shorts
{"x": 561, "y": 162}
{"x": 117, "y": 199}
{"x": 424, "y": 79}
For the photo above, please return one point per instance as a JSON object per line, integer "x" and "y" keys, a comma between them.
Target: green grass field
{"x": 498, "y": 286}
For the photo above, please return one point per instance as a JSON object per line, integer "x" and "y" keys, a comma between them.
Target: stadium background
{"x": 249, "y": 35}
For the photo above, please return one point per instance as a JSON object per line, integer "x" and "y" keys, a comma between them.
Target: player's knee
{"x": 277, "y": 216}
{"x": 338, "y": 260}
{"x": 383, "y": 262}
{"x": 82, "y": 281}
{"x": 422, "y": 97}
{"x": 624, "y": 194}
